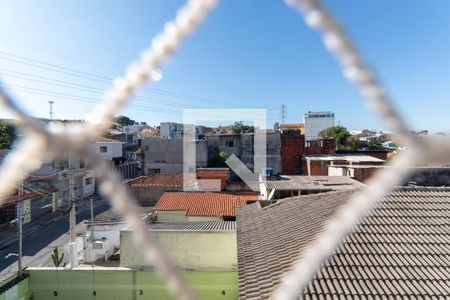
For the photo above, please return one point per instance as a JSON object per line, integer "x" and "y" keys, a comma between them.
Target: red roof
{"x": 292, "y": 126}
{"x": 166, "y": 180}
{"x": 204, "y": 203}
{"x": 16, "y": 198}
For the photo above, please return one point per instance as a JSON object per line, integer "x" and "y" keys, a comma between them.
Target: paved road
{"x": 38, "y": 245}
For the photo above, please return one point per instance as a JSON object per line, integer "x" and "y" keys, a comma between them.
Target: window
{"x": 88, "y": 181}
{"x": 103, "y": 149}
{"x": 231, "y": 143}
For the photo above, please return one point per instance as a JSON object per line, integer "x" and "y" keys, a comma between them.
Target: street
{"x": 38, "y": 245}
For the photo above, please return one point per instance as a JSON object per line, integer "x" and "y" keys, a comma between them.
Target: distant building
{"x": 170, "y": 130}
{"x": 166, "y": 155}
{"x": 290, "y": 128}
{"x": 108, "y": 149}
{"x": 316, "y": 122}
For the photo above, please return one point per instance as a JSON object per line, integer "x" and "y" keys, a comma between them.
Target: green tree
{"x": 7, "y": 135}
{"x": 344, "y": 140}
{"x": 219, "y": 160}
{"x": 57, "y": 259}
{"x": 125, "y": 121}
{"x": 239, "y": 127}
{"x": 374, "y": 144}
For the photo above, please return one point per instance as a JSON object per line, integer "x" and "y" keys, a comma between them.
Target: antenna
{"x": 283, "y": 114}
{"x": 51, "y": 109}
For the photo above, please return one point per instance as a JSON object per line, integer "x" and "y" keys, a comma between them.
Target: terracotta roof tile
{"x": 204, "y": 203}
{"x": 164, "y": 180}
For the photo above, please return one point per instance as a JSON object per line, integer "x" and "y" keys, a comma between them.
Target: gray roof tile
{"x": 400, "y": 251}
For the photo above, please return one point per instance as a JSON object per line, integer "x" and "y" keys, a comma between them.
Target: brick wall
{"x": 215, "y": 173}
{"x": 292, "y": 148}
{"x": 324, "y": 146}
{"x": 315, "y": 167}
{"x": 362, "y": 174}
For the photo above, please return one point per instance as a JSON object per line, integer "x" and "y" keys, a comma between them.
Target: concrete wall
{"x": 146, "y": 196}
{"x": 189, "y": 250}
{"x": 273, "y": 151}
{"x": 172, "y": 216}
{"x": 125, "y": 284}
{"x": 109, "y": 234}
{"x": 20, "y": 291}
{"x": 89, "y": 183}
{"x": 113, "y": 149}
{"x": 166, "y": 155}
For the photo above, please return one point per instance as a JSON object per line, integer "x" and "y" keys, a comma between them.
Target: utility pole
{"x": 92, "y": 220}
{"x": 283, "y": 114}
{"x": 19, "y": 213}
{"x": 51, "y": 109}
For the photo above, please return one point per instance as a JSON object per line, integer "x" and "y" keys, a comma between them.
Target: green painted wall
{"x": 125, "y": 284}
{"x": 172, "y": 216}
{"x": 20, "y": 291}
{"x": 191, "y": 250}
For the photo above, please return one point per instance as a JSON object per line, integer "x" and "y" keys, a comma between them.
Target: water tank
{"x": 267, "y": 172}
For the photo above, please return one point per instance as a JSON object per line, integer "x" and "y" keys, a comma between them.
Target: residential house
{"x": 398, "y": 251}
{"x": 166, "y": 155}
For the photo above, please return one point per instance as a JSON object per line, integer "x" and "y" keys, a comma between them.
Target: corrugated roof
{"x": 204, "y": 203}
{"x": 167, "y": 180}
{"x": 401, "y": 250}
{"x": 194, "y": 226}
{"x": 313, "y": 183}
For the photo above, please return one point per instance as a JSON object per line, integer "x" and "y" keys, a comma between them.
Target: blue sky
{"x": 255, "y": 54}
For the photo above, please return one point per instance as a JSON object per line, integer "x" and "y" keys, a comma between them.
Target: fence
{"x": 40, "y": 143}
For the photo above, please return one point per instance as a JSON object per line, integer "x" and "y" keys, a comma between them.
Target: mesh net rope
{"x": 55, "y": 140}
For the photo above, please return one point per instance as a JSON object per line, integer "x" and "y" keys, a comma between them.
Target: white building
{"x": 171, "y": 130}
{"x": 316, "y": 122}
{"x": 108, "y": 149}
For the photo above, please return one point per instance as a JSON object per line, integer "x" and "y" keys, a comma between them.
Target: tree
{"x": 239, "y": 127}
{"x": 219, "y": 160}
{"x": 125, "y": 121}
{"x": 57, "y": 259}
{"x": 7, "y": 135}
{"x": 374, "y": 144}
{"x": 344, "y": 140}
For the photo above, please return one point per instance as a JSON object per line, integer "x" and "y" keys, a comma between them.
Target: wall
{"x": 189, "y": 250}
{"x": 125, "y": 284}
{"x": 19, "y": 291}
{"x": 114, "y": 149}
{"x": 109, "y": 234}
{"x": 146, "y": 196}
{"x": 322, "y": 146}
{"x": 172, "y": 216}
{"x": 315, "y": 167}
{"x": 292, "y": 148}
{"x": 273, "y": 151}
{"x": 167, "y": 154}
{"x": 222, "y": 174}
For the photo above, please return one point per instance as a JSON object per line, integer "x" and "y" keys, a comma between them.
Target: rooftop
{"x": 312, "y": 183}
{"x": 199, "y": 226}
{"x": 291, "y": 126}
{"x": 401, "y": 249}
{"x": 348, "y": 157}
{"x": 204, "y": 203}
{"x": 106, "y": 140}
{"x": 167, "y": 180}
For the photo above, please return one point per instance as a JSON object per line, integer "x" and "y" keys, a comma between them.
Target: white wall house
{"x": 171, "y": 130}
{"x": 107, "y": 148}
{"x": 316, "y": 122}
